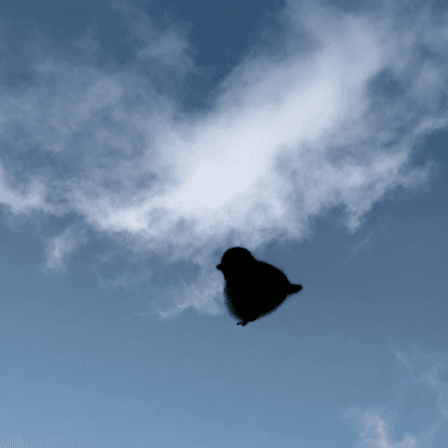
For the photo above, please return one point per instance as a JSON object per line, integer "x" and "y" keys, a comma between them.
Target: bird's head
{"x": 234, "y": 259}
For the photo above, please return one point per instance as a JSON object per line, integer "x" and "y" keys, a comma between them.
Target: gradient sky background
{"x": 140, "y": 140}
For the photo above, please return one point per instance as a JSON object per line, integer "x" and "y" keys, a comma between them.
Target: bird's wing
{"x": 272, "y": 275}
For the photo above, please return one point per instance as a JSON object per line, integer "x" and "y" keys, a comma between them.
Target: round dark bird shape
{"x": 252, "y": 288}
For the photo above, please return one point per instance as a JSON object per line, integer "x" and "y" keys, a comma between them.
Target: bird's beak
{"x": 219, "y": 267}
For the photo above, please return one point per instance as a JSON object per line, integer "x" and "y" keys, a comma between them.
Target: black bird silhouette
{"x": 253, "y": 288}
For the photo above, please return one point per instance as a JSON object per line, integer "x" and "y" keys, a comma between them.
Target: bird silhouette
{"x": 252, "y": 288}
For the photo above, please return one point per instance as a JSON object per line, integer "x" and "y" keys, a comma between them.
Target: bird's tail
{"x": 294, "y": 288}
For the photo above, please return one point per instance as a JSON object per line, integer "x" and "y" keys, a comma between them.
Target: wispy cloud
{"x": 280, "y": 140}
{"x": 364, "y": 244}
{"x": 420, "y": 418}
{"x": 58, "y": 247}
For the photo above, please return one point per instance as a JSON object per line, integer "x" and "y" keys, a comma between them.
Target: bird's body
{"x": 253, "y": 288}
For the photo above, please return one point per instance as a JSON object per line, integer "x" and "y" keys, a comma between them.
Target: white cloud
{"x": 59, "y": 247}
{"x": 422, "y": 372}
{"x": 283, "y": 138}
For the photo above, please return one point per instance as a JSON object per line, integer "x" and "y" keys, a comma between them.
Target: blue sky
{"x": 139, "y": 141}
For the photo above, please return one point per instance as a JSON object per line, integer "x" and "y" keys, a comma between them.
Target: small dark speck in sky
{"x": 232, "y": 12}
